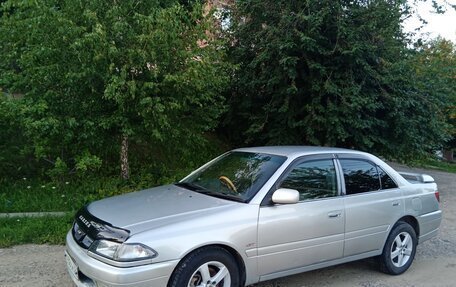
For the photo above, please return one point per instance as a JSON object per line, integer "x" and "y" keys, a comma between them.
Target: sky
{"x": 438, "y": 24}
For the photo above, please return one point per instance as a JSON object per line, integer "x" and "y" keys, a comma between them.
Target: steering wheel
{"x": 228, "y": 183}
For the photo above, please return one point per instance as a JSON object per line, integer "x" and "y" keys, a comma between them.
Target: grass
{"x": 42, "y": 230}
{"x": 33, "y": 196}
{"x": 29, "y": 196}
{"x": 430, "y": 163}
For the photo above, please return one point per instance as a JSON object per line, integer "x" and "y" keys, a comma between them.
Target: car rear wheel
{"x": 399, "y": 250}
{"x": 207, "y": 267}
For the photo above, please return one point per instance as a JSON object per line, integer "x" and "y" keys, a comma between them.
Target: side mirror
{"x": 285, "y": 196}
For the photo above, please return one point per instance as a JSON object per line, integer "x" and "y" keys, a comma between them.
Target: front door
{"x": 312, "y": 231}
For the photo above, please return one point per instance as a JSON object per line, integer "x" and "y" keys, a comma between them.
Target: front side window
{"x": 313, "y": 179}
{"x": 360, "y": 176}
{"x": 236, "y": 175}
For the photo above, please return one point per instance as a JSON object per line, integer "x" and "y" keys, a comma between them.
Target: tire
{"x": 399, "y": 250}
{"x": 211, "y": 264}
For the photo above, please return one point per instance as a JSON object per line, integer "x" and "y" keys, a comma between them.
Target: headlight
{"x": 122, "y": 251}
{"x": 105, "y": 248}
{"x": 129, "y": 252}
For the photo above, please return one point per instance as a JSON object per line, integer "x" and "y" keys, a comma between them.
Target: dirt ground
{"x": 434, "y": 265}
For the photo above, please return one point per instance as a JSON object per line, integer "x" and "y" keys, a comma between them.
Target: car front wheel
{"x": 207, "y": 267}
{"x": 399, "y": 250}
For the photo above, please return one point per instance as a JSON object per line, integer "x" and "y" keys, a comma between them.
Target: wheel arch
{"x": 233, "y": 252}
{"x": 385, "y": 260}
{"x": 413, "y": 222}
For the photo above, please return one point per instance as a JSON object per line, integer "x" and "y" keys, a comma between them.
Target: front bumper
{"x": 94, "y": 273}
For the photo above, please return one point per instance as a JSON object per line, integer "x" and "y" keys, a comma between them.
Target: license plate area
{"x": 71, "y": 266}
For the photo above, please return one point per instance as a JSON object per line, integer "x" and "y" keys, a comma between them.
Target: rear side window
{"x": 313, "y": 179}
{"x": 360, "y": 176}
{"x": 386, "y": 180}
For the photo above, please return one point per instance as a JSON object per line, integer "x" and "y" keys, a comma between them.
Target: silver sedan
{"x": 255, "y": 214}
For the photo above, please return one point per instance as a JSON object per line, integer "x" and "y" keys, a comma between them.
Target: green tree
{"x": 328, "y": 73}
{"x": 99, "y": 75}
{"x": 435, "y": 67}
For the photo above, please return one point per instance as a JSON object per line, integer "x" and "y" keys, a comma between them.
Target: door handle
{"x": 396, "y": 203}
{"x": 334, "y": 214}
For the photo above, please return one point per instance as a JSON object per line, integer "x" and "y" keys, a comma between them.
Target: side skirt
{"x": 320, "y": 265}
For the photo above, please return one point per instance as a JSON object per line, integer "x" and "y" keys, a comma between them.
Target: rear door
{"x": 372, "y": 202}
{"x": 312, "y": 231}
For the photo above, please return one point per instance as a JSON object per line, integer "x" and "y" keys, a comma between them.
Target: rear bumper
{"x": 429, "y": 225}
{"x": 96, "y": 273}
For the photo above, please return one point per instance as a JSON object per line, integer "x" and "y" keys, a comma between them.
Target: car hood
{"x": 155, "y": 207}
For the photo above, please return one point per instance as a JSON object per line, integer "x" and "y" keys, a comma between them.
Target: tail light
{"x": 437, "y": 195}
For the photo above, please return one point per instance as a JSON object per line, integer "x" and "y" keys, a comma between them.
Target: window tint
{"x": 360, "y": 176}
{"x": 313, "y": 179}
{"x": 387, "y": 181}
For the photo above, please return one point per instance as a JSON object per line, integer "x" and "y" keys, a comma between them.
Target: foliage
{"x": 78, "y": 76}
{"x": 334, "y": 73}
{"x": 414, "y": 115}
{"x": 39, "y": 230}
{"x": 435, "y": 67}
{"x": 15, "y": 154}
{"x": 94, "y": 71}
{"x": 59, "y": 171}
{"x": 87, "y": 162}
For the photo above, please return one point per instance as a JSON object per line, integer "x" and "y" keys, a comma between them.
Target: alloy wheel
{"x": 401, "y": 249}
{"x": 211, "y": 274}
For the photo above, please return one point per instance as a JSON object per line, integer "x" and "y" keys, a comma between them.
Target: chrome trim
{"x": 121, "y": 264}
{"x": 437, "y": 212}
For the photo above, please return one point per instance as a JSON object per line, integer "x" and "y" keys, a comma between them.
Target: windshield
{"x": 236, "y": 175}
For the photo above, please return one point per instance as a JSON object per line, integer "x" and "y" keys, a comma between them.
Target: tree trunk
{"x": 124, "y": 166}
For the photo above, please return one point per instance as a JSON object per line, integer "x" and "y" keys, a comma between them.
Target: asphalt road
{"x": 434, "y": 265}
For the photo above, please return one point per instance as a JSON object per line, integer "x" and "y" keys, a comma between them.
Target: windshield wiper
{"x": 222, "y": 195}
{"x": 202, "y": 190}
{"x": 191, "y": 186}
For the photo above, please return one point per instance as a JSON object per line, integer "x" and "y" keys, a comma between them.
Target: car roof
{"x": 293, "y": 151}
